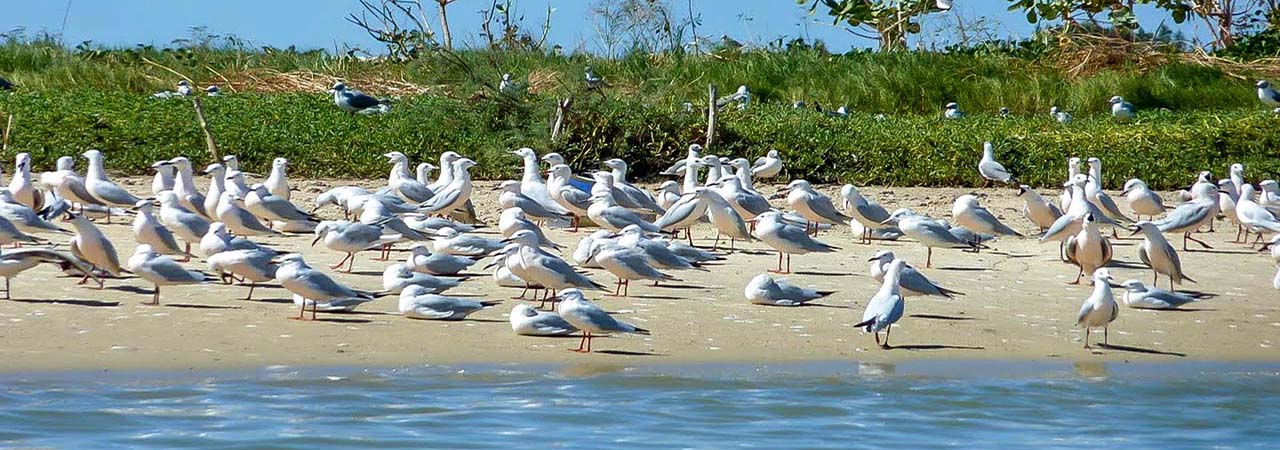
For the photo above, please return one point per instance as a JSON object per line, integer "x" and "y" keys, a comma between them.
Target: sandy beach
{"x": 1017, "y": 306}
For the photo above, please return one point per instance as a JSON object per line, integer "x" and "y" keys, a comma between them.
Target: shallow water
{"x": 811, "y": 405}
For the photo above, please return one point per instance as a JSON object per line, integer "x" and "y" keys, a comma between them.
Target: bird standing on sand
{"x": 814, "y": 206}
{"x": 591, "y": 319}
{"x": 314, "y": 288}
{"x": 786, "y": 238}
{"x": 969, "y": 214}
{"x": 767, "y": 166}
{"x": 101, "y": 188}
{"x": 911, "y": 280}
{"x": 1100, "y": 308}
{"x": 928, "y": 232}
{"x": 1156, "y": 252}
{"x": 161, "y": 271}
{"x": 990, "y": 169}
{"x": 886, "y": 307}
{"x": 1141, "y": 199}
{"x": 90, "y": 245}
{"x": 1088, "y": 249}
{"x": 1040, "y": 211}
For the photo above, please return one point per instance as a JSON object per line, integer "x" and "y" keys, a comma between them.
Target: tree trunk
{"x": 444, "y": 25}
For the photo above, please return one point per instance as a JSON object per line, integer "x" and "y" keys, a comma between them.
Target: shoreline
{"x": 1017, "y": 307}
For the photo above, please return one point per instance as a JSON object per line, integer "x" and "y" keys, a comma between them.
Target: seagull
{"x": 185, "y": 188}
{"x": 786, "y": 238}
{"x": 1141, "y": 199}
{"x": 164, "y": 179}
{"x": 605, "y": 212}
{"x": 1123, "y": 111}
{"x": 101, "y": 188}
{"x": 262, "y": 203}
{"x": 627, "y": 264}
{"x": 252, "y": 265}
{"x": 11, "y": 234}
{"x": 1253, "y": 216}
{"x": 1004, "y": 112}
{"x": 1140, "y": 296}
{"x": 1190, "y": 216}
{"x": 690, "y": 209}
{"x": 149, "y": 231}
{"x": 1088, "y": 249}
{"x": 526, "y": 321}
{"x": 928, "y": 232}
{"x": 594, "y": 82}
{"x": 990, "y": 169}
{"x": 422, "y": 260}
{"x": 725, "y": 219}
{"x": 767, "y": 166}
{"x": 911, "y": 281}
{"x": 417, "y": 302}
{"x": 312, "y": 287}
{"x": 184, "y": 88}
{"x": 512, "y": 198}
{"x": 748, "y": 204}
{"x": 351, "y": 238}
{"x": 506, "y": 86}
{"x": 399, "y": 276}
{"x": 668, "y": 194}
{"x": 866, "y": 212}
{"x": 1227, "y": 201}
{"x": 453, "y": 242}
{"x": 764, "y": 290}
{"x": 21, "y": 188}
{"x": 1059, "y": 115}
{"x": 1073, "y": 169}
{"x": 1267, "y": 95}
{"x": 161, "y": 271}
{"x": 423, "y": 173}
{"x": 1156, "y": 252}
{"x": 513, "y": 220}
{"x": 814, "y": 206}
{"x": 1040, "y": 211}
{"x": 952, "y": 111}
{"x": 217, "y": 186}
{"x": 540, "y": 268}
{"x": 657, "y": 253}
{"x": 678, "y": 168}
{"x": 90, "y": 245}
{"x": 637, "y": 195}
{"x": 1093, "y": 191}
{"x": 353, "y": 101}
{"x": 886, "y": 307}
{"x": 690, "y": 253}
{"x": 969, "y": 214}
{"x": 591, "y": 319}
{"x": 277, "y": 181}
{"x": 584, "y": 254}
{"x": 457, "y": 195}
{"x": 14, "y": 262}
{"x": 1100, "y": 309}
{"x": 239, "y": 220}
{"x": 568, "y": 196}
{"x": 218, "y": 240}
{"x": 212, "y": 91}
{"x": 25, "y": 218}
{"x": 403, "y": 183}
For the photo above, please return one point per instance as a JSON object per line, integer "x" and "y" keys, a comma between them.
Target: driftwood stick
{"x": 711, "y": 115}
{"x": 204, "y": 126}
{"x": 8, "y": 129}
{"x": 562, "y": 108}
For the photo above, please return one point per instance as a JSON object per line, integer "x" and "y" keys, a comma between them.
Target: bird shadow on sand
{"x": 756, "y": 252}
{"x": 365, "y": 272}
{"x": 1148, "y": 351}
{"x": 820, "y": 274}
{"x": 131, "y": 289}
{"x": 680, "y": 286}
{"x": 962, "y": 269}
{"x": 487, "y": 320}
{"x": 341, "y": 320}
{"x": 627, "y": 353}
{"x": 934, "y": 347}
{"x": 822, "y": 305}
{"x": 89, "y": 303}
{"x": 648, "y": 297}
{"x": 940, "y": 317}
{"x": 1013, "y": 255}
{"x": 268, "y": 300}
{"x": 197, "y": 306}
{"x": 1125, "y": 265}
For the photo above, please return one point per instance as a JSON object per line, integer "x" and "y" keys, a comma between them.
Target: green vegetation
{"x": 71, "y": 100}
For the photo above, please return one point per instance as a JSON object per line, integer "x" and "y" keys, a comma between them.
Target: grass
{"x": 1194, "y": 118}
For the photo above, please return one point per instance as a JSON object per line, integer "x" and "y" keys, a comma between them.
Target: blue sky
{"x": 321, "y": 24}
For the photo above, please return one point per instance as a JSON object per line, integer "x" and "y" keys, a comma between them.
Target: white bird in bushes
{"x": 1122, "y": 110}
{"x": 1267, "y": 95}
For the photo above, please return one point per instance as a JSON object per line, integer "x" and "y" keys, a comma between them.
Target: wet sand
{"x": 1018, "y": 306}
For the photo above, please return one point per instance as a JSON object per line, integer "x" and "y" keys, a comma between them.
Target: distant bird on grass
{"x": 354, "y": 101}
{"x": 1060, "y": 115}
{"x": 6, "y": 85}
{"x": 1266, "y": 94}
{"x": 1122, "y": 110}
{"x": 952, "y": 111}
{"x": 212, "y": 91}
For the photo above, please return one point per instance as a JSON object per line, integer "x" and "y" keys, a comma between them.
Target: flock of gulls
{"x": 640, "y": 235}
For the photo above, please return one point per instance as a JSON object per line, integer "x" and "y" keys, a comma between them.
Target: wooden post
{"x": 204, "y": 126}
{"x": 8, "y": 129}
{"x": 562, "y": 108}
{"x": 711, "y": 115}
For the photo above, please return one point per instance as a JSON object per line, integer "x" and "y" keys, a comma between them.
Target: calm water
{"x": 822, "y": 405}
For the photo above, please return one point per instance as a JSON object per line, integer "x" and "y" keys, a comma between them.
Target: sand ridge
{"x": 1017, "y": 305}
